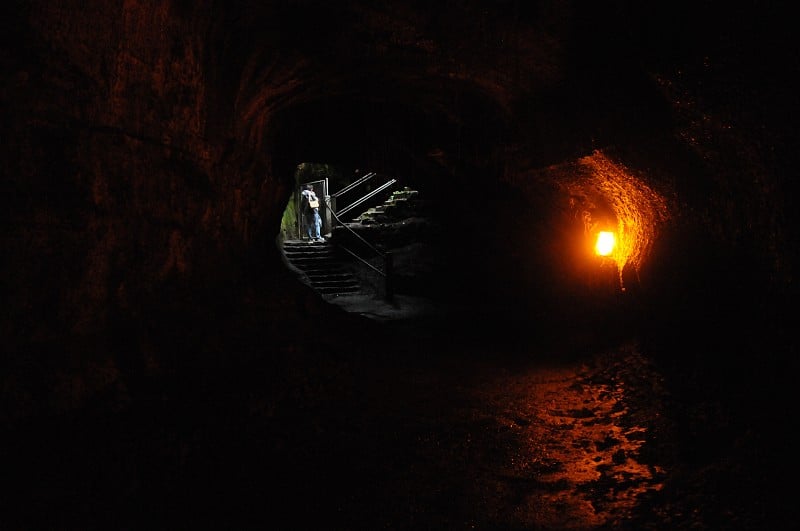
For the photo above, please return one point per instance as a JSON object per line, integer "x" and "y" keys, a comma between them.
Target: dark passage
{"x": 172, "y": 361}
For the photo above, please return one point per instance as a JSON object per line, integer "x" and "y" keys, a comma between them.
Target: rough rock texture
{"x": 148, "y": 154}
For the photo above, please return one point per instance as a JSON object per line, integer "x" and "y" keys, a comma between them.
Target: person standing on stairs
{"x": 310, "y": 208}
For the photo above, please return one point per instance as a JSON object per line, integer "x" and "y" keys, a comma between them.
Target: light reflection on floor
{"x": 579, "y": 452}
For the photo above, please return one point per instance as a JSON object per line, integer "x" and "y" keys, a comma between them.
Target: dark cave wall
{"x": 118, "y": 192}
{"x": 149, "y": 147}
{"x": 130, "y": 211}
{"x": 131, "y": 188}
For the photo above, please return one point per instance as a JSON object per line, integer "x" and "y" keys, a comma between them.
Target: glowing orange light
{"x": 605, "y": 243}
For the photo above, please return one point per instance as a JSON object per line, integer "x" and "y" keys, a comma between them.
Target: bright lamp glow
{"x": 605, "y": 243}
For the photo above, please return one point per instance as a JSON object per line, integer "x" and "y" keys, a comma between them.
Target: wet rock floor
{"x": 415, "y": 430}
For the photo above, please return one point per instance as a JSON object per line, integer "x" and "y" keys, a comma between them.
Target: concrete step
{"x": 308, "y": 251}
{"x": 318, "y": 261}
{"x": 326, "y": 275}
{"x": 334, "y": 290}
{"x": 311, "y": 260}
{"x": 293, "y": 244}
{"x": 337, "y": 286}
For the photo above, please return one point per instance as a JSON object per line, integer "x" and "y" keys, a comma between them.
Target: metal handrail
{"x": 387, "y": 257}
{"x": 349, "y": 187}
{"x": 354, "y": 255}
{"x": 378, "y": 190}
{"x": 356, "y": 234}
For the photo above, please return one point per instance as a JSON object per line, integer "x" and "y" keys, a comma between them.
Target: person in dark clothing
{"x": 310, "y": 208}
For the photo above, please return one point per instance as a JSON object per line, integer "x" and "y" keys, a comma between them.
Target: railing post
{"x": 387, "y": 268}
{"x": 327, "y": 211}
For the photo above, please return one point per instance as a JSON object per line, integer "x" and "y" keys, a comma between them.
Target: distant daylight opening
{"x": 375, "y": 236}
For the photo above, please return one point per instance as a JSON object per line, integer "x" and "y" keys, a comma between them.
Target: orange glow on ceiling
{"x": 635, "y": 209}
{"x": 607, "y": 196}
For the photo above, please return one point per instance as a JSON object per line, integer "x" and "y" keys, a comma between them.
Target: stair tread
{"x": 318, "y": 261}
{"x": 335, "y": 283}
{"x": 303, "y": 252}
{"x": 328, "y": 291}
{"x": 314, "y": 259}
{"x": 309, "y": 253}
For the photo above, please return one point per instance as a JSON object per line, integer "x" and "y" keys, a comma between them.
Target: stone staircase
{"x": 401, "y": 204}
{"x": 326, "y": 273}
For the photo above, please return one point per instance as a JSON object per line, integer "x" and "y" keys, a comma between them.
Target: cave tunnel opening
{"x": 449, "y": 161}
{"x": 533, "y": 269}
{"x": 505, "y": 248}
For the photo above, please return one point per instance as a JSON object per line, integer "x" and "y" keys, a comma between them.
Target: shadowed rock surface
{"x": 163, "y": 366}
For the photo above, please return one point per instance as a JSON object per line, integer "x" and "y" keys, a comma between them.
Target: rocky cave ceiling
{"x": 152, "y": 144}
